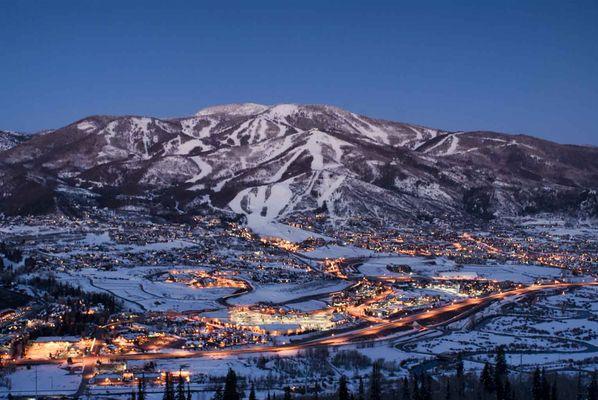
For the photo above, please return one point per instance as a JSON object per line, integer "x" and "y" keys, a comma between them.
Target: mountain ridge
{"x": 275, "y": 162}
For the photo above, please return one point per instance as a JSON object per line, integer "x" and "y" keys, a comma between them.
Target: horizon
{"x": 174, "y": 117}
{"x": 519, "y": 68}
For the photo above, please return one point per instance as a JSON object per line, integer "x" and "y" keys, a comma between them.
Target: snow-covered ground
{"x": 476, "y": 341}
{"x": 138, "y": 291}
{"x": 335, "y": 251}
{"x": 281, "y": 293}
{"x": 519, "y": 273}
{"x": 266, "y": 227}
{"x": 556, "y": 330}
{"x": 48, "y": 379}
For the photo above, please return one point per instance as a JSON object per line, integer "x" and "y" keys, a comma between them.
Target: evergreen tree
{"x": 230, "y": 386}
{"x": 376, "y": 382}
{"x": 415, "y": 388}
{"x": 501, "y": 367}
{"x": 166, "y": 383}
{"x": 426, "y": 387}
{"x": 507, "y": 390}
{"x": 553, "y": 391}
{"x": 537, "y": 385}
{"x": 360, "y": 390}
{"x": 545, "y": 385}
{"x": 218, "y": 393}
{"x": 501, "y": 371}
{"x": 447, "y": 390}
{"x": 171, "y": 391}
{"x": 579, "y": 389}
{"x": 406, "y": 393}
{"x": 460, "y": 377}
{"x": 168, "y": 387}
{"x": 593, "y": 387}
{"x": 343, "y": 391}
{"x": 189, "y": 397}
{"x": 487, "y": 378}
{"x": 133, "y": 395}
{"x": 141, "y": 388}
{"x": 180, "y": 387}
{"x": 252, "y": 393}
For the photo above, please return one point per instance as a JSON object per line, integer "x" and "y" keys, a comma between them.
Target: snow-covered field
{"x": 477, "y": 341}
{"x": 266, "y": 227}
{"x": 335, "y": 251}
{"x": 519, "y": 273}
{"x": 282, "y": 293}
{"x": 48, "y": 379}
{"x": 133, "y": 286}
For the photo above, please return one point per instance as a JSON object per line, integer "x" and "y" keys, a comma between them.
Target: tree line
{"x": 494, "y": 382}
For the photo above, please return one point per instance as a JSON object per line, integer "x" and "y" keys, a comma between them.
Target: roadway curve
{"x": 371, "y": 333}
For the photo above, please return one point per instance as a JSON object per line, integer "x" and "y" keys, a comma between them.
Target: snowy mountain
{"x": 273, "y": 162}
{"x": 10, "y": 139}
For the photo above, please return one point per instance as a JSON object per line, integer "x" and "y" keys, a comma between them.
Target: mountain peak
{"x": 233, "y": 109}
{"x": 273, "y": 161}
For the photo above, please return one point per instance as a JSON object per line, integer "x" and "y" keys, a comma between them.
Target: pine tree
{"x": 487, "y": 378}
{"x": 537, "y": 385}
{"x": 252, "y": 393}
{"x": 376, "y": 383}
{"x": 230, "y": 386}
{"x": 553, "y": 391}
{"x": 426, "y": 387}
{"x": 360, "y": 390}
{"x": 189, "y": 397}
{"x": 507, "y": 390}
{"x": 343, "y": 391}
{"x": 593, "y": 387}
{"x": 133, "y": 395}
{"x": 218, "y": 393}
{"x": 406, "y": 393}
{"x": 447, "y": 390}
{"x": 141, "y": 388}
{"x": 545, "y": 385}
{"x": 168, "y": 388}
{"x": 501, "y": 362}
{"x": 415, "y": 388}
{"x": 166, "y": 382}
{"x": 579, "y": 389}
{"x": 171, "y": 391}
{"x": 460, "y": 377}
{"x": 180, "y": 388}
{"x": 501, "y": 371}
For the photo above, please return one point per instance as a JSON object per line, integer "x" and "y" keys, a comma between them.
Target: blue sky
{"x": 511, "y": 66}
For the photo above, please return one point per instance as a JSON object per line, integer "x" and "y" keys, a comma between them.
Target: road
{"x": 439, "y": 316}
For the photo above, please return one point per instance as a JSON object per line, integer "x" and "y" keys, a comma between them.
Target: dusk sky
{"x": 511, "y": 66}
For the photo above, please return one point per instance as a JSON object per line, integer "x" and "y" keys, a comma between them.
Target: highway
{"x": 376, "y": 331}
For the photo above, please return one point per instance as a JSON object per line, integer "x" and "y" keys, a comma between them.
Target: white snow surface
{"x": 236, "y": 109}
